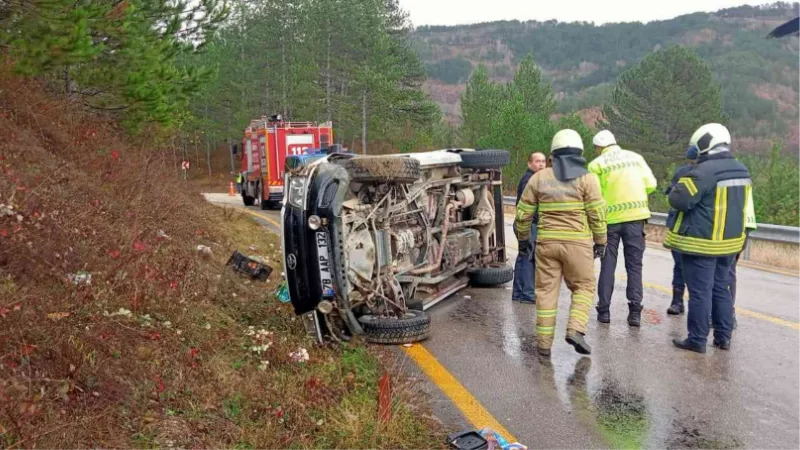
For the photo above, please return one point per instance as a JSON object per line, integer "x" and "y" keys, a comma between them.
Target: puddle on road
{"x": 621, "y": 416}
{"x": 617, "y": 412}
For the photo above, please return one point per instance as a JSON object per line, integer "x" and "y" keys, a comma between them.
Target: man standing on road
{"x": 572, "y": 214}
{"x": 709, "y": 231}
{"x": 524, "y": 266}
{"x": 678, "y": 283}
{"x": 625, "y": 180}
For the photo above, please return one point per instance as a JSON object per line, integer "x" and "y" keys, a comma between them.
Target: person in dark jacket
{"x": 678, "y": 284}
{"x": 709, "y": 231}
{"x": 524, "y": 269}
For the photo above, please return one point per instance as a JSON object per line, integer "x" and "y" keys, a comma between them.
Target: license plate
{"x": 325, "y": 266}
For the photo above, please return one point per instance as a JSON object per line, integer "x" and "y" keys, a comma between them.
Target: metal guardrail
{"x": 763, "y": 232}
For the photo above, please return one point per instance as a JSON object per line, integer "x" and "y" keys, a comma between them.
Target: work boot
{"x": 722, "y": 345}
{"x": 676, "y": 307}
{"x": 604, "y": 316}
{"x": 686, "y": 345}
{"x": 543, "y": 351}
{"x": 634, "y": 314}
{"x": 575, "y": 339}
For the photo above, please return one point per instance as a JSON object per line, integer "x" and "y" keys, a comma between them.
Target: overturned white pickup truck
{"x": 370, "y": 242}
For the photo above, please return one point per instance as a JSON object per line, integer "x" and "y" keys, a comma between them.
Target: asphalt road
{"x": 636, "y": 390}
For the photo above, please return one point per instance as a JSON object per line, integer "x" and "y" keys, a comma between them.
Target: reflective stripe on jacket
{"x": 571, "y": 211}
{"x": 625, "y": 180}
{"x": 712, "y": 203}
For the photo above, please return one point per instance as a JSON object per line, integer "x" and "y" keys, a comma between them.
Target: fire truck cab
{"x": 266, "y": 144}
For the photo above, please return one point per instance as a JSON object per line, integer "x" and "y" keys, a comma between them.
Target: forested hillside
{"x": 759, "y": 76}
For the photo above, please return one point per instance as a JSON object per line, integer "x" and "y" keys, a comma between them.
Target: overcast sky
{"x": 455, "y": 12}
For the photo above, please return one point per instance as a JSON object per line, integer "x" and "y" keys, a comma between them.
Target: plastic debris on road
{"x": 496, "y": 441}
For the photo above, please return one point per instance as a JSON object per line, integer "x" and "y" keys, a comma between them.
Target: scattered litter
{"x": 282, "y": 292}
{"x": 80, "y": 277}
{"x": 204, "y": 250}
{"x": 483, "y": 439}
{"x": 300, "y": 355}
{"x": 252, "y": 248}
{"x": 58, "y": 315}
{"x": 96, "y": 394}
{"x": 207, "y": 326}
{"x": 249, "y": 266}
{"x": 6, "y": 210}
{"x": 497, "y": 442}
{"x": 121, "y": 312}
{"x": 162, "y": 235}
{"x": 167, "y": 324}
{"x": 263, "y": 366}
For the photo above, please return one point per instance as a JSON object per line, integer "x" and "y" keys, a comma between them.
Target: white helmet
{"x": 603, "y": 139}
{"x": 566, "y": 138}
{"x": 709, "y": 136}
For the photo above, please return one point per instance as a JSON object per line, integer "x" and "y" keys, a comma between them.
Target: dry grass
{"x": 156, "y": 351}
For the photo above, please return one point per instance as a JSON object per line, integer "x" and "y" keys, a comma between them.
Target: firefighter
{"x": 626, "y": 180}
{"x": 239, "y": 183}
{"x": 572, "y": 217}
{"x": 709, "y": 231}
{"x": 678, "y": 283}
{"x": 523, "y": 291}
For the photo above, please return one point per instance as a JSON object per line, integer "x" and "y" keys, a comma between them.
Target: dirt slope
{"x": 164, "y": 347}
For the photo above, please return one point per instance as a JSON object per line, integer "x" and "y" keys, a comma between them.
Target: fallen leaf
{"x": 58, "y": 315}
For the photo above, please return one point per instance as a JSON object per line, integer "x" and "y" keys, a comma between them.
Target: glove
{"x": 525, "y": 248}
{"x": 599, "y": 250}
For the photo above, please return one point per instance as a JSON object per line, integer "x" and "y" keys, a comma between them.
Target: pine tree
{"x": 537, "y": 95}
{"x": 659, "y": 103}
{"x": 480, "y": 103}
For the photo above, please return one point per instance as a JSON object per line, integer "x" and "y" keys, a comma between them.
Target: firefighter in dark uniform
{"x": 709, "y": 232}
{"x": 678, "y": 284}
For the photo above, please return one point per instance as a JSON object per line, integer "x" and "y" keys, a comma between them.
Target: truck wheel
{"x": 485, "y": 159}
{"x": 248, "y": 201}
{"x": 382, "y": 169}
{"x": 494, "y": 275}
{"x": 413, "y": 327}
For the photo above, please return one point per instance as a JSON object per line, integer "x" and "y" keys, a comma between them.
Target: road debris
{"x": 300, "y": 355}
{"x": 282, "y": 292}
{"x": 80, "y": 277}
{"x": 253, "y": 267}
{"x": 163, "y": 235}
{"x": 204, "y": 250}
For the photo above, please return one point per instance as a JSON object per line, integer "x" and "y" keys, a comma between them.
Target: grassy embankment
{"x": 165, "y": 347}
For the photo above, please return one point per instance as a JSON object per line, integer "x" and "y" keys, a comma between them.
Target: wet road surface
{"x": 635, "y": 390}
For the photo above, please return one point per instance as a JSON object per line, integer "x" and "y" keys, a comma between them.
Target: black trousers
{"x": 632, "y": 235}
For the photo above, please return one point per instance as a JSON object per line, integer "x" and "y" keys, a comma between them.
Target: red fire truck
{"x": 266, "y": 143}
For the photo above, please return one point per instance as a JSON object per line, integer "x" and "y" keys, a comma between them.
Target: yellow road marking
{"x": 261, "y": 216}
{"x": 472, "y": 409}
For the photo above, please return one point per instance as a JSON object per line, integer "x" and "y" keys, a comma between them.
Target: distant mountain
{"x": 582, "y": 61}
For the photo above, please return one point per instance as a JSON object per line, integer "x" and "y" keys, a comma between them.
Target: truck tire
{"x": 382, "y": 169}
{"x": 414, "y": 327}
{"x": 485, "y": 159}
{"x": 494, "y": 275}
{"x": 248, "y": 201}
